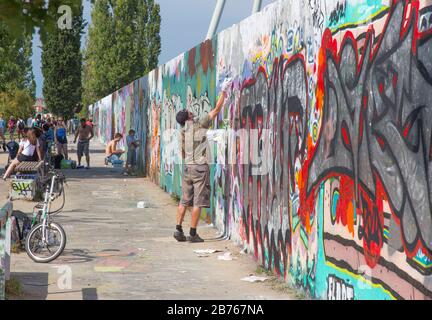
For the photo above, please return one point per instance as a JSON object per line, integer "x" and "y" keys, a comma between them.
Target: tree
{"x": 15, "y": 62}
{"x": 17, "y": 103}
{"x": 61, "y": 68}
{"x": 17, "y": 85}
{"x": 99, "y": 54}
{"x": 123, "y": 45}
{"x": 23, "y": 16}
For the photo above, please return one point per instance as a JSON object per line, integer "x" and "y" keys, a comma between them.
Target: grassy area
{"x": 13, "y": 288}
{"x": 16, "y": 248}
{"x": 175, "y": 197}
{"x": 276, "y": 283}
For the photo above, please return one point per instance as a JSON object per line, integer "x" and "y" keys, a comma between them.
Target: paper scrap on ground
{"x": 141, "y": 204}
{"x": 226, "y": 256}
{"x": 254, "y": 279}
{"x": 206, "y": 251}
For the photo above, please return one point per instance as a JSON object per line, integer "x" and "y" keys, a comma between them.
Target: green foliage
{"x": 17, "y": 85}
{"x": 13, "y": 288}
{"x": 15, "y": 61}
{"x": 23, "y": 17}
{"x": 17, "y": 103}
{"x": 123, "y": 45}
{"x": 61, "y": 68}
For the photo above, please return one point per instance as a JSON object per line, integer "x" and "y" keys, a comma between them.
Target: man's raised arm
{"x": 226, "y": 84}
{"x": 213, "y": 113}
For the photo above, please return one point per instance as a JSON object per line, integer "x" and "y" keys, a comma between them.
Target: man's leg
{"x": 87, "y": 153}
{"x": 79, "y": 154}
{"x": 185, "y": 202}
{"x": 65, "y": 150}
{"x": 179, "y": 234}
{"x": 196, "y": 214}
{"x": 201, "y": 188}
{"x": 181, "y": 212}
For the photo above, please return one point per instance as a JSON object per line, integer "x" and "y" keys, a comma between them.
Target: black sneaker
{"x": 179, "y": 236}
{"x": 195, "y": 238}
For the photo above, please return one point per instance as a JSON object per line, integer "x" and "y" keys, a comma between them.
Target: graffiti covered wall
{"x": 323, "y": 149}
{"x": 102, "y": 117}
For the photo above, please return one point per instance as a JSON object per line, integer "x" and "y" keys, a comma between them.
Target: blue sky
{"x": 184, "y": 24}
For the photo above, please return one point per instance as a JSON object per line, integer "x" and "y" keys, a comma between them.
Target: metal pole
{"x": 256, "y": 6}
{"x": 215, "y": 19}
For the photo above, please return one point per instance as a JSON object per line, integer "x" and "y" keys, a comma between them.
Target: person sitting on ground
{"x": 132, "y": 144}
{"x": 28, "y": 151}
{"x": 60, "y": 136}
{"x": 112, "y": 153}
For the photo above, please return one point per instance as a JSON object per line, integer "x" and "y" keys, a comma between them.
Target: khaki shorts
{"x": 196, "y": 186}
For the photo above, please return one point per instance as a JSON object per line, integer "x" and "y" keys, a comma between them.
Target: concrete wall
{"x": 322, "y": 154}
{"x": 5, "y": 245}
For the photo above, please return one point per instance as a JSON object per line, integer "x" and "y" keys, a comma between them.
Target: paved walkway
{"x": 116, "y": 251}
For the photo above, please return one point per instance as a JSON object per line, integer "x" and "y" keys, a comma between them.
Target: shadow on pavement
{"x": 33, "y": 284}
{"x": 89, "y": 294}
{"x": 76, "y": 256}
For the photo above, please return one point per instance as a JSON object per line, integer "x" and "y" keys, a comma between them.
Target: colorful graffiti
{"x": 102, "y": 117}
{"x": 322, "y": 152}
{"x": 153, "y": 116}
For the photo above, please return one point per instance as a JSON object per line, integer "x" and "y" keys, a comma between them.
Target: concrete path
{"x": 116, "y": 251}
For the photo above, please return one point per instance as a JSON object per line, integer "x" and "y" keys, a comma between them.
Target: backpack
{"x": 21, "y": 125}
{"x": 12, "y": 148}
{"x": 57, "y": 161}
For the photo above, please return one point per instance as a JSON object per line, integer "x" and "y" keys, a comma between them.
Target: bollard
{"x": 5, "y": 246}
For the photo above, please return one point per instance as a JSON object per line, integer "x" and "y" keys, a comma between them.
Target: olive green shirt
{"x": 193, "y": 140}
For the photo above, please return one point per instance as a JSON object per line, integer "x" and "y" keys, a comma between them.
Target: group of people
{"x": 113, "y": 153}
{"x": 196, "y": 173}
{"x": 38, "y": 136}
{"x": 13, "y": 126}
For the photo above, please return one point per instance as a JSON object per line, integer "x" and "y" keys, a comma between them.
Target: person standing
{"x": 84, "y": 134}
{"x": 2, "y": 132}
{"x": 11, "y": 127}
{"x": 60, "y": 135}
{"x": 29, "y": 122}
{"x": 132, "y": 144}
{"x": 20, "y": 126}
{"x": 196, "y": 172}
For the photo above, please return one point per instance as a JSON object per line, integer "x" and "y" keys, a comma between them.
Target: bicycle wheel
{"x": 45, "y": 251}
